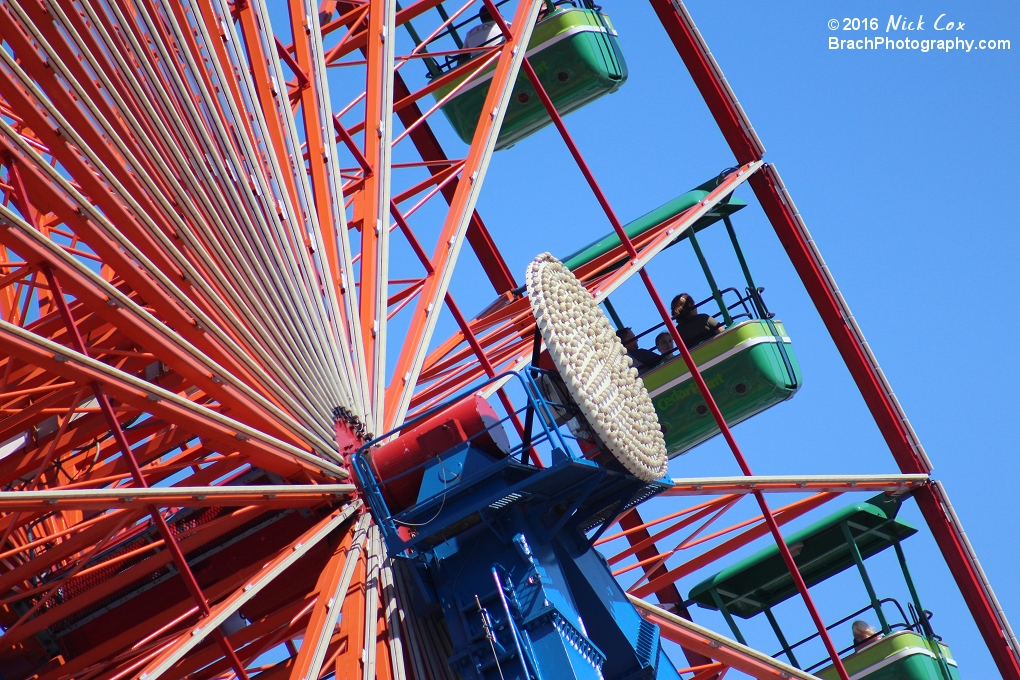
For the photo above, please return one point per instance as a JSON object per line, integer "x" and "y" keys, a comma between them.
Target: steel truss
{"x": 211, "y": 214}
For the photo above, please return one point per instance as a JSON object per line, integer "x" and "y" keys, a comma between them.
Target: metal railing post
{"x": 752, "y": 289}
{"x": 875, "y": 603}
{"x": 926, "y": 630}
{"x": 711, "y": 280}
{"x": 726, "y": 615}
{"x": 782, "y": 638}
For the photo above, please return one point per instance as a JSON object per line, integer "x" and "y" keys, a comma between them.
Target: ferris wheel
{"x": 248, "y": 431}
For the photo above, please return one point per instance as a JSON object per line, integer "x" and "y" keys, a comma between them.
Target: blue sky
{"x": 900, "y": 163}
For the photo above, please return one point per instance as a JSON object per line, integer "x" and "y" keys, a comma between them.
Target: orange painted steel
{"x": 669, "y": 595}
{"x": 317, "y": 146}
{"x": 705, "y": 510}
{"x": 726, "y": 653}
{"x": 350, "y": 639}
{"x": 195, "y": 497}
{"x": 183, "y": 304}
{"x": 821, "y": 286}
{"x": 729, "y": 546}
{"x": 511, "y": 329}
{"x": 642, "y": 526}
{"x": 189, "y": 637}
{"x": 326, "y": 585}
{"x": 405, "y": 370}
{"x": 371, "y": 204}
{"x": 744, "y": 488}
{"x": 266, "y": 86}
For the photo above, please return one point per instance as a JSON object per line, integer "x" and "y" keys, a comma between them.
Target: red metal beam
{"x": 264, "y": 633}
{"x": 214, "y": 616}
{"x": 782, "y": 516}
{"x": 708, "y": 77}
{"x": 669, "y": 595}
{"x": 359, "y": 39}
{"x": 372, "y": 203}
{"x": 135, "y": 638}
{"x": 692, "y": 367}
{"x": 139, "y": 479}
{"x": 9, "y": 639}
{"x": 36, "y": 252}
{"x": 465, "y": 328}
{"x": 458, "y": 219}
{"x": 348, "y": 658}
{"x": 647, "y": 545}
{"x": 478, "y": 236}
{"x": 264, "y": 85}
{"x": 325, "y": 587}
{"x": 797, "y": 484}
{"x": 818, "y": 281}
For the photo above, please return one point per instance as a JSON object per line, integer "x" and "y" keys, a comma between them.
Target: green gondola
{"x": 904, "y": 655}
{"x": 748, "y": 367}
{"x": 576, "y": 53}
{"x": 666, "y": 211}
{"x": 904, "y": 650}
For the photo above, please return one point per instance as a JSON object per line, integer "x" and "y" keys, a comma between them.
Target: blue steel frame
{"x": 505, "y": 482}
{"x": 504, "y": 549}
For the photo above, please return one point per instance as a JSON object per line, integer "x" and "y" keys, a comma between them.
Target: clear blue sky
{"x": 901, "y": 163}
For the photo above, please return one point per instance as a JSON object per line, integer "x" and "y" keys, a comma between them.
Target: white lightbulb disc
{"x": 596, "y": 369}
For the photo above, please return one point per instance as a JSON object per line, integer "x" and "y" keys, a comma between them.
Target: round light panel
{"x": 596, "y": 369}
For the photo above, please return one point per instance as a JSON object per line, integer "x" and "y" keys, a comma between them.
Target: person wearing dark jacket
{"x": 643, "y": 358}
{"x": 694, "y": 328}
{"x": 864, "y": 634}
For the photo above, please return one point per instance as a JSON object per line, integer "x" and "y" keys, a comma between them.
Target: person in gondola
{"x": 486, "y": 33}
{"x": 864, "y": 634}
{"x": 643, "y": 358}
{"x": 694, "y": 328}
{"x": 664, "y": 344}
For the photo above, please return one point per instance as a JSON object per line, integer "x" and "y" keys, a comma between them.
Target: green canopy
{"x": 820, "y": 551}
{"x": 727, "y": 206}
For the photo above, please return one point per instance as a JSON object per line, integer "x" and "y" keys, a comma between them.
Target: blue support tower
{"x": 505, "y": 549}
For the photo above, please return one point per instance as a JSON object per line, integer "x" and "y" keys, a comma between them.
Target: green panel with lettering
{"x": 745, "y": 370}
